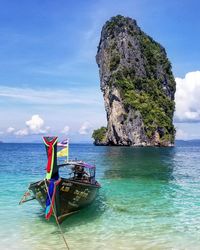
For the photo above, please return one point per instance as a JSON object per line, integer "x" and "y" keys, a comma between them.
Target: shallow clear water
{"x": 150, "y": 199}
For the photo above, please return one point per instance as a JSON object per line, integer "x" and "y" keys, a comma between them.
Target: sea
{"x": 149, "y": 199}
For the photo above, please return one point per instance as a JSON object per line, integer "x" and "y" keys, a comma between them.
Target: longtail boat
{"x": 60, "y": 196}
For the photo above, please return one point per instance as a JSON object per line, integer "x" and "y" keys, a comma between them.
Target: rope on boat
{"x": 65, "y": 241}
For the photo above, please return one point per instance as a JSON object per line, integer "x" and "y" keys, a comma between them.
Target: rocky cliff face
{"x": 137, "y": 84}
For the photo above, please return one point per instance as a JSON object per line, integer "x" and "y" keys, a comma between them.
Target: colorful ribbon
{"x": 51, "y": 197}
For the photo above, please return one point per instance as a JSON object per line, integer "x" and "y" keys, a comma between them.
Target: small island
{"x": 99, "y": 136}
{"x": 138, "y": 87}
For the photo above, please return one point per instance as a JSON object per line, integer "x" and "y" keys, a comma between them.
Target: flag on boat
{"x": 63, "y": 143}
{"x": 63, "y": 153}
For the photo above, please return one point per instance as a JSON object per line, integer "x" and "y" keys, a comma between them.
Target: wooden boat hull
{"x": 71, "y": 195}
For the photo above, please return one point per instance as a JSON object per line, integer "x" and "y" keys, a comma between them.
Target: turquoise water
{"x": 150, "y": 199}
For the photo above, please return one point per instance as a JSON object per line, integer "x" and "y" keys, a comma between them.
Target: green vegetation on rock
{"x": 114, "y": 62}
{"x": 99, "y": 135}
{"x": 146, "y": 95}
{"x": 156, "y": 56}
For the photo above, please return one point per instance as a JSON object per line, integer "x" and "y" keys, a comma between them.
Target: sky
{"x": 49, "y": 80}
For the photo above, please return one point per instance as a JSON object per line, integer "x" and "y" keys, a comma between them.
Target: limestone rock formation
{"x": 137, "y": 84}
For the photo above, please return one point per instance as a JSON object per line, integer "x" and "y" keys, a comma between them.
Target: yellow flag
{"x": 63, "y": 152}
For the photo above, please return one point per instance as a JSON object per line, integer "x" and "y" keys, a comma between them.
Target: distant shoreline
{"x": 90, "y": 143}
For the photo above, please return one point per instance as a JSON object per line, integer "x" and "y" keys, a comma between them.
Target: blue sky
{"x": 49, "y": 79}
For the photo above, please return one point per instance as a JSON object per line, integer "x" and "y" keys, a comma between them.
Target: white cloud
{"x": 10, "y": 130}
{"x": 33, "y": 126}
{"x": 22, "y": 132}
{"x": 85, "y": 128}
{"x": 187, "y": 98}
{"x": 65, "y": 130}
